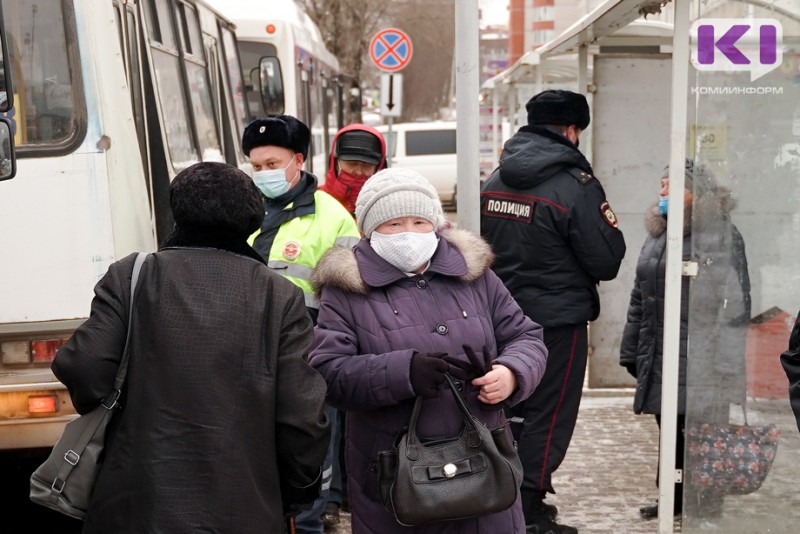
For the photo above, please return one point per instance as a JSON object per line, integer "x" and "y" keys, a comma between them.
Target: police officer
{"x": 301, "y": 224}
{"x": 555, "y": 237}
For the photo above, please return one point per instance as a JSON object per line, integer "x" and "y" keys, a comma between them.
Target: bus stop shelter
{"x": 653, "y": 106}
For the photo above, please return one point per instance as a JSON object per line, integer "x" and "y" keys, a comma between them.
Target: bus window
{"x": 169, "y": 85}
{"x": 199, "y": 88}
{"x": 49, "y": 114}
{"x": 235, "y": 77}
{"x": 251, "y": 54}
{"x": 271, "y": 85}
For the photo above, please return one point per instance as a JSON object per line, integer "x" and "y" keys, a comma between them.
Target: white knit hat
{"x": 393, "y": 193}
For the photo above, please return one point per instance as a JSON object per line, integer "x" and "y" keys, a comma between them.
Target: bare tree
{"x": 346, "y": 27}
{"x": 428, "y": 78}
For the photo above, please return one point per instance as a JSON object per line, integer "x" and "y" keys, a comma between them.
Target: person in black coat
{"x": 791, "y": 364}
{"x": 719, "y": 298}
{"x": 222, "y": 426}
{"x": 555, "y": 237}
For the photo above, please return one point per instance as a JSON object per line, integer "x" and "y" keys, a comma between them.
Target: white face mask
{"x": 273, "y": 182}
{"x": 407, "y": 251}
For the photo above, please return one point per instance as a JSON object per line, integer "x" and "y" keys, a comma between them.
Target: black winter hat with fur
{"x": 559, "y": 108}
{"x": 277, "y": 130}
{"x": 216, "y": 196}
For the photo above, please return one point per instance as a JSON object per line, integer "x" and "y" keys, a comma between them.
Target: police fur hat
{"x": 558, "y": 107}
{"x": 216, "y": 196}
{"x": 277, "y": 130}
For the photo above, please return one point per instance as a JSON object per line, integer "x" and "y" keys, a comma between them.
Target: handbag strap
{"x": 411, "y": 435}
{"x": 110, "y": 401}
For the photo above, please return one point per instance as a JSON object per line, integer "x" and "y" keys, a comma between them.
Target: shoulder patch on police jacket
{"x": 508, "y": 206}
{"x": 609, "y": 215}
{"x": 582, "y": 176}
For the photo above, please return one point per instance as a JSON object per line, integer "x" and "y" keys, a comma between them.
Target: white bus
{"x": 300, "y": 76}
{"x": 111, "y": 99}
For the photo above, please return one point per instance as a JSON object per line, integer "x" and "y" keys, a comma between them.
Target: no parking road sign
{"x": 390, "y": 49}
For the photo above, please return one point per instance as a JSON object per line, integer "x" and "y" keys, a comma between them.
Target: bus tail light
{"x": 38, "y": 404}
{"x": 37, "y": 351}
{"x": 44, "y": 351}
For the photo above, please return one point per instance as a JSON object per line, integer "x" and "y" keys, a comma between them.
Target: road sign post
{"x": 391, "y": 94}
{"x": 390, "y": 50}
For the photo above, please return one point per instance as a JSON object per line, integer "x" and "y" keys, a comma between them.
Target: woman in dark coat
{"x": 221, "y": 425}
{"x": 393, "y": 312}
{"x": 720, "y": 301}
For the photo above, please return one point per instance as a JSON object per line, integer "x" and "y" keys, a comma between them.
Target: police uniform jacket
{"x": 552, "y": 231}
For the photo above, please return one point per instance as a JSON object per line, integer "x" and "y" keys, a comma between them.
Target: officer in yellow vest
{"x": 300, "y": 225}
{"x": 301, "y": 222}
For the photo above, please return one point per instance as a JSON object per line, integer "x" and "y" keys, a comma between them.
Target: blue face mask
{"x": 273, "y": 182}
{"x": 663, "y": 205}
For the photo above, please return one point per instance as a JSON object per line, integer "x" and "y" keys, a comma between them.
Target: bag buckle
{"x": 58, "y": 485}
{"x": 72, "y": 457}
{"x": 110, "y": 402}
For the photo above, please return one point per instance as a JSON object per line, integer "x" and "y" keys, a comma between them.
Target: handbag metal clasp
{"x": 449, "y": 470}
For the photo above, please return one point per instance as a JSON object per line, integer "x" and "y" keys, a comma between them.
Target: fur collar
{"x": 461, "y": 254}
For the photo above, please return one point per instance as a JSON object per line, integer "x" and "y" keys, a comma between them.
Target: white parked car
{"x": 430, "y": 149}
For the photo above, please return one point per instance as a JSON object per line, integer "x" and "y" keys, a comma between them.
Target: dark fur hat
{"x": 216, "y": 196}
{"x": 558, "y": 107}
{"x": 277, "y": 130}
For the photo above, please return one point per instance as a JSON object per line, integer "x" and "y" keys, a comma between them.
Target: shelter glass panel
{"x": 741, "y": 438}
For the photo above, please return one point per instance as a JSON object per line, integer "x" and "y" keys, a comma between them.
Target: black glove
{"x": 477, "y": 367}
{"x": 631, "y": 368}
{"x": 427, "y": 373}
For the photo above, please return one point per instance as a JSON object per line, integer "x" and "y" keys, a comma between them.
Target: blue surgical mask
{"x": 273, "y": 182}
{"x": 663, "y": 205}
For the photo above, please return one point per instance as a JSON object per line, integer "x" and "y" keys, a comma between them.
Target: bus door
{"x": 180, "y": 109}
{"x": 129, "y": 28}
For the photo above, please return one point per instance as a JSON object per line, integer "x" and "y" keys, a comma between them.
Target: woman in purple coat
{"x": 396, "y": 311}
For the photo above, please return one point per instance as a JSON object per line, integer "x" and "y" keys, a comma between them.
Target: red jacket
{"x": 346, "y": 193}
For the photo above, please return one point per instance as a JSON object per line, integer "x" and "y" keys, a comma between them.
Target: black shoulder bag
{"x": 476, "y": 473}
{"x": 64, "y": 482}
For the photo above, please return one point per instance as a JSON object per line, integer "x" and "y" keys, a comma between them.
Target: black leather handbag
{"x": 476, "y": 473}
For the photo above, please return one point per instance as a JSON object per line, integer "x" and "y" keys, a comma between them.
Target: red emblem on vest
{"x": 291, "y": 250}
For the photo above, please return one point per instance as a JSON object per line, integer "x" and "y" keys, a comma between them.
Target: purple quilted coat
{"x": 373, "y": 317}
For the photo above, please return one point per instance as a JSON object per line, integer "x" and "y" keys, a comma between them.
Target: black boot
{"x": 533, "y": 505}
{"x": 651, "y": 511}
{"x": 540, "y": 517}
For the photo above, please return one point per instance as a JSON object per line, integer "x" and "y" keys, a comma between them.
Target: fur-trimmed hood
{"x": 461, "y": 254}
{"x": 704, "y": 211}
